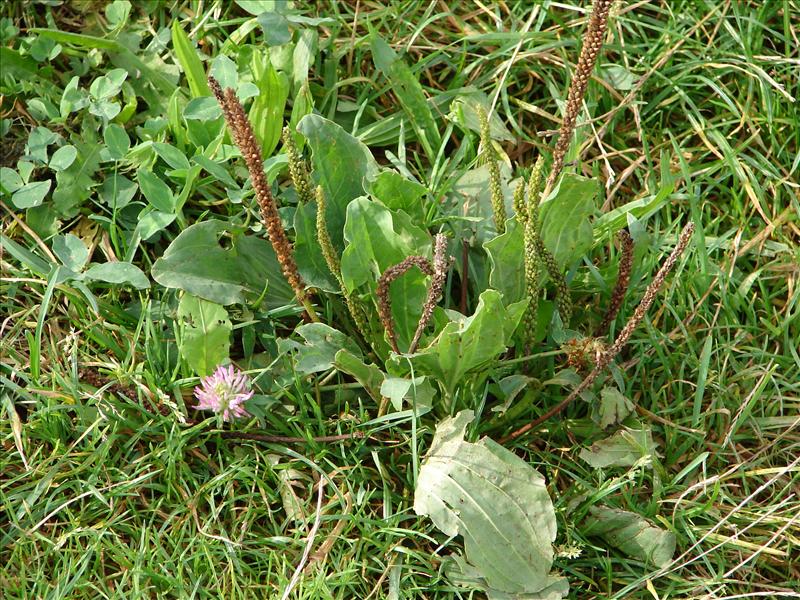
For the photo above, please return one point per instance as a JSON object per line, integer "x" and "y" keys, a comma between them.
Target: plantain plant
{"x": 389, "y": 293}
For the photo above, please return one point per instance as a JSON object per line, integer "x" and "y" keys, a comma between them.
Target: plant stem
{"x": 622, "y": 339}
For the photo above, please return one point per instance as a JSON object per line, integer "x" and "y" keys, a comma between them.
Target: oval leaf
{"x": 195, "y": 262}
{"x": 206, "y": 332}
{"x": 119, "y": 272}
{"x": 63, "y": 158}
{"x": 31, "y": 194}
{"x": 156, "y": 191}
{"x": 495, "y": 501}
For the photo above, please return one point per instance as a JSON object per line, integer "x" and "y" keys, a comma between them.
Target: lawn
{"x": 490, "y": 299}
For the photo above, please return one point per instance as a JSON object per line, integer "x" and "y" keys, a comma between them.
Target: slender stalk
{"x": 441, "y": 263}
{"x": 605, "y": 359}
{"x": 385, "y": 303}
{"x": 496, "y": 189}
{"x": 528, "y": 214}
{"x": 623, "y": 281}
{"x": 354, "y": 305}
{"x": 592, "y": 44}
{"x": 245, "y": 139}
{"x": 297, "y": 168}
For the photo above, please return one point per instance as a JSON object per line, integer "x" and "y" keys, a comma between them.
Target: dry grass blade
{"x": 309, "y": 544}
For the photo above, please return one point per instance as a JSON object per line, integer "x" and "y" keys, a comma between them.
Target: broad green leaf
{"x": 276, "y": 28}
{"x": 459, "y": 572}
{"x": 623, "y": 449}
{"x": 31, "y": 194}
{"x": 302, "y": 57}
{"x": 117, "y": 12}
{"x": 377, "y": 239}
{"x": 223, "y": 69}
{"x": 171, "y": 155}
{"x": 495, "y": 501}
{"x": 75, "y": 184}
{"x": 108, "y": 85}
{"x": 152, "y": 221}
{"x": 417, "y": 393}
{"x": 118, "y": 272}
{"x": 247, "y": 90}
{"x": 44, "y": 49}
{"x": 631, "y": 533}
{"x": 105, "y": 109}
{"x": 117, "y": 141}
{"x": 16, "y": 65}
{"x": 341, "y": 164}
{"x": 506, "y": 257}
{"x": 25, "y": 169}
{"x": 156, "y": 191}
{"x": 266, "y": 112}
{"x": 10, "y": 181}
{"x": 614, "y": 407}
{"x": 566, "y": 230}
{"x": 322, "y": 344}
{"x": 195, "y": 262}
{"x": 204, "y": 123}
{"x": 202, "y": 109}
{"x": 73, "y": 98}
{"x": 619, "y": 77}
{"x": 38, "y": 141}
{"x": 215, "y": 169}
{"x": 63, "y": 158}
{"x": 189, "y": 61}
{"x": 510, "y": 387}
{"x": 43, "y": 219}
{"x": 206, "y": 334}
{"x": 256, "y": 7}
{"x": 398, "y": 193}
{"x": 303, "y": 105}
{"x": 368, "y": 375}
{"x": 71, "y": 251}
{"x": 468, "y": 343}
{"x": 118, "y": 191}
{"x": 307, "y": 251}
{"x": 409, "y": 92}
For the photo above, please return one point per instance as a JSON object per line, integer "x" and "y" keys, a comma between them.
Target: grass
{"x": 103, "y": 495}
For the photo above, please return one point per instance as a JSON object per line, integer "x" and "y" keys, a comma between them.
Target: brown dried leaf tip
{"x": 385, "y": 303}
{"x": 245, "y": 139}
{"x": 592, "y": 44}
